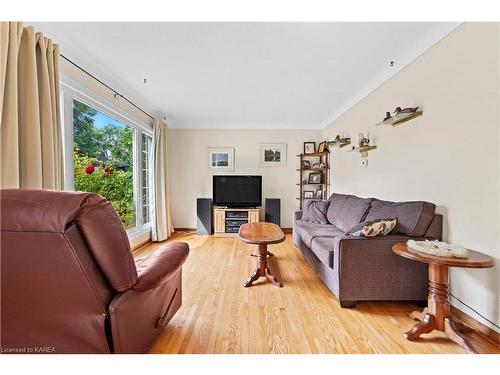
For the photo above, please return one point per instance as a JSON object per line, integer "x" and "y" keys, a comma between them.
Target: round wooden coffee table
{"x": 262, "y": 234}
{"x": 437, "y": 314}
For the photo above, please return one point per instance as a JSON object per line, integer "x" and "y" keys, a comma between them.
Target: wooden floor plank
{"x": 219, "y": 315}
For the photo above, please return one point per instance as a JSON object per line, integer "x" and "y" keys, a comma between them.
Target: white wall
{"x": 449, "y": 156}
{"x": 191, "y": 178}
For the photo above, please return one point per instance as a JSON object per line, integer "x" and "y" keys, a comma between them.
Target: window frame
{"x": 71, "y": 90}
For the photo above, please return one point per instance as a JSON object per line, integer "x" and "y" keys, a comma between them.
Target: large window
{"x": 103, "y": 159}
{"x": 108, "y": 154}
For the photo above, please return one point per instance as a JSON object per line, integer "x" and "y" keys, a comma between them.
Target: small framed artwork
{"x": 322, "y": 147}
{"x": 309, "y": 147}
{"x": 319, "y": 194}
{"x": 306, "y": 164}
{"x": 308, "y": 194}
{"x": 315, "y": 178}
{"x": 273, "y": 154}
{"x": 221, "y": 159}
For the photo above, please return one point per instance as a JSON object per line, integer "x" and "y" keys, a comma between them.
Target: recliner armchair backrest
{"x": 63, "y": 257}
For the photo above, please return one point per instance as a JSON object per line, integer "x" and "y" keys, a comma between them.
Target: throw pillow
{"x": 315, "y": 211}
{"x": 378, "y": 227}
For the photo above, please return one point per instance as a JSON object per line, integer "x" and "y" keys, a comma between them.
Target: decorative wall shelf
{"x": 401, "y": 118}
{"x": 339, "y": 142}
{"x": 364, "y": 149}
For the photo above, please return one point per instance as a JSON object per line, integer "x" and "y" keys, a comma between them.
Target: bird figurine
{"x": 399, "y": 111}
{"x": 388, "y": 118}
{"x": 362, "y": 141}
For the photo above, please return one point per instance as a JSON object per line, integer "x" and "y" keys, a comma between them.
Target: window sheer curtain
{"x": 30, "y": 129}
{"x": 161, "y": 224}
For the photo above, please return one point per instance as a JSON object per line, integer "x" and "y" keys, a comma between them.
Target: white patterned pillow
{"x": 378, "y": 227}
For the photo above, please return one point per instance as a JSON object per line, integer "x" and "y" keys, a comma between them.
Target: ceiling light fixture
{"x": 391, "y": 63}
{"x": 145, "y": 80}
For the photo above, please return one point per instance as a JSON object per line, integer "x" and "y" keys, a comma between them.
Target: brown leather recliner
{"x": 69, "y": 282}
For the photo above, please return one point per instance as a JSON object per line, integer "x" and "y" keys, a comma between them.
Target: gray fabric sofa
{"x": 361, "y": 268}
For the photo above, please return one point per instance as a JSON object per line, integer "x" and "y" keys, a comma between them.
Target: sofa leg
{"x": 347, "y": 304}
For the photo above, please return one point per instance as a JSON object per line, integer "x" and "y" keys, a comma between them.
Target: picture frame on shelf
{"x": 306, "y": 164}
{"x": 221, "y": 159}
{"x": 322, "y": 147}
{"x": 309, "y": 148}
{"x": 314, "y": 178}
{"x": 308, "y": 194}
{"x": 318, "y": 194}
{"x": 273, "y": 154}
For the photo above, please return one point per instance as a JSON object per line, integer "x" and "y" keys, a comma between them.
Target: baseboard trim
{"x": 478, "y": 326}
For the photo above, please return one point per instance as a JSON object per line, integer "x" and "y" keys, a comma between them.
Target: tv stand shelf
{"x": 228, "y": 220}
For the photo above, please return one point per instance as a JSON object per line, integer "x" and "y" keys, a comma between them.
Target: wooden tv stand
{"x": 227, "y": 219}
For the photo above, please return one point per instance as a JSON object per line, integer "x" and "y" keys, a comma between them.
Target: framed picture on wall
{"x": 221, "y": 159}
{"x": 273, "y": 154}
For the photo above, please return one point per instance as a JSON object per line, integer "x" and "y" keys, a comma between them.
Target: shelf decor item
{"x": 319, "y": 194}
{"x": 308, "y": 194}
{"x": 363, "y": 146}
{"x": 306, "y": 164}
{"x": 314, "y": 178}
{"x": 400, "y": 116}
{"x": 309, "y": 147}
{"x": 221, "y": 159}
{"x": 339, "y": 141}
{"x": 322, "y": 147}
{"x": 273, "y": 154}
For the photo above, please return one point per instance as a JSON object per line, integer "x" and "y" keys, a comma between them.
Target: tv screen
{"x": 237, "y": 191}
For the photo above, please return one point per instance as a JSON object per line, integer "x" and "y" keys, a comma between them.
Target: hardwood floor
{"x": 219, "y": 315}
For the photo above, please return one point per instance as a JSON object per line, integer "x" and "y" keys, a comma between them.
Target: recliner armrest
{"x": 160, "y": 265}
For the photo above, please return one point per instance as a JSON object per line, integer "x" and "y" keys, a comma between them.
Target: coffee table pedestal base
{"x": 437, "y": 315}
{"x": 262, "y": 269}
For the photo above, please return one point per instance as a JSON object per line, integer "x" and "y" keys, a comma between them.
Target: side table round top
{"x": 474, "y": 259}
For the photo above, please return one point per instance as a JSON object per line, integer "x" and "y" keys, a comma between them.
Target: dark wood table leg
{"x": 452, "y": 330}
{"x": 425, "y": 326}
{"x": 262, "y": 268}
{"x": 437, "y": 315}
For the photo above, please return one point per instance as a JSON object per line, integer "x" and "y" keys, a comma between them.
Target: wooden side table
{"x": 437, "y": 314}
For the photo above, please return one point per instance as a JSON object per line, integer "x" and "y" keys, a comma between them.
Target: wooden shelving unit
{"x": 322, "y": 157}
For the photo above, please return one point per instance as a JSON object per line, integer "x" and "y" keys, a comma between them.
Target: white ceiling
{"x": 244, "y": 75}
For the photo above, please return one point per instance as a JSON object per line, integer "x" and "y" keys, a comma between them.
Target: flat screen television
{"x": 237, "y": 191}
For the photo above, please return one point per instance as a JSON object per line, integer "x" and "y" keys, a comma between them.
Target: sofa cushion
{"x": 345, "y": 211}
{"x": 315, "y": 211}
{"x": 313, "y": 230}
{"x": 413, "y": 217}
{"x": 323, "y": 248}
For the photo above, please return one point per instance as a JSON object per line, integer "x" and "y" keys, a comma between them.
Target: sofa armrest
{"x": 160, "y": 265}
{"x": 297, "y": 215}
{"x": 369, "y": 270}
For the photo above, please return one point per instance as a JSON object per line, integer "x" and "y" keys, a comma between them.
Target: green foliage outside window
{"x": 103, "y": 161}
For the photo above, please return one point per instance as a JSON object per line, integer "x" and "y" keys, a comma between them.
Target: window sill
{"x": 140, "y": 231}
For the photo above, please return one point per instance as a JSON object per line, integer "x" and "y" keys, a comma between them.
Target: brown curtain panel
{"x": 31, "y": 142}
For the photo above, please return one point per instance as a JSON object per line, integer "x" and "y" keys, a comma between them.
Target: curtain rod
{"x": 102, "y": 83}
